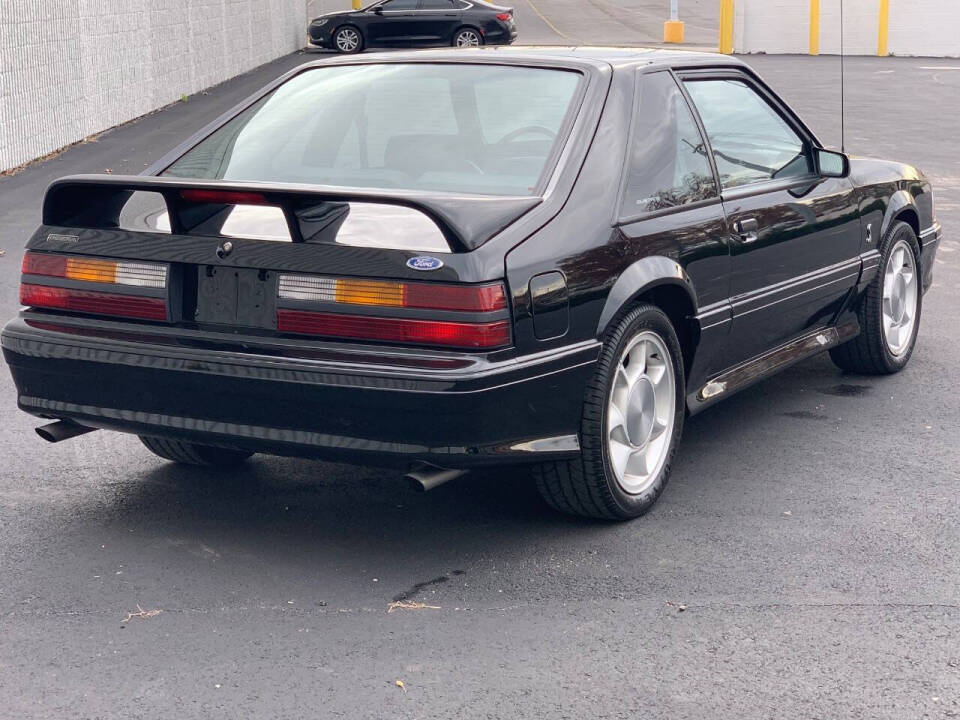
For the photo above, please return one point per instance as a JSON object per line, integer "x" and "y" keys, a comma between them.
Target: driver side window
{"x": 751, "y": 142}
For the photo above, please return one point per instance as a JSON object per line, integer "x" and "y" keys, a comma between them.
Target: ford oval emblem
{"x": 424, "y": 262}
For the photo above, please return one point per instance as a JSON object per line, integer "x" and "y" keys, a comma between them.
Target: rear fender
{"x": 640, "y": 277}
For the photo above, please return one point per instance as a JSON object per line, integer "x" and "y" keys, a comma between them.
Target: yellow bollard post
{"x": 726, "y": 27}
{"x": 357, "y": 4}
{"x": 883, "y": 28}
{"x": 814, "y": 27}
{"x": 673, "y": 28}
{"x": 673, "y": 31}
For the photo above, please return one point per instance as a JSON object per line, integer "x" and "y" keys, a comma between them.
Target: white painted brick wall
{"x": 72, "y": 68}
{"x": 861, "y": 23}
{"x": 916, "y": 27}
{"x": 759, "y": 25}
{"x": 929, "y": 28}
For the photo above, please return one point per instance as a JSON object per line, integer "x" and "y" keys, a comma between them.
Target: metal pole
{"x": 674, "y": 10}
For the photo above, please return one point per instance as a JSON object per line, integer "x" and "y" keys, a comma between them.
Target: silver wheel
{"x": 899, "y": 298}
{"x": 640, "y": 412}
{"x": 467, "y": 38}
{"x": 348, "y": 40}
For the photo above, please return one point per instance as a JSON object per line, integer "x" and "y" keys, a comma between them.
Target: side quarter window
{"x": 750, "y": 141}
{"x": 668, "y": 163}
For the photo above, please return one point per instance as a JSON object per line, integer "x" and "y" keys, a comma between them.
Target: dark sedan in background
{"x": 414, "y": 23}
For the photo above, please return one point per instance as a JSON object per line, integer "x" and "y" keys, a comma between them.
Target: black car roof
{"x": 520, "y": 55}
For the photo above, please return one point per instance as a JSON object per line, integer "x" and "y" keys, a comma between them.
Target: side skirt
{"x": 763, "y": 366}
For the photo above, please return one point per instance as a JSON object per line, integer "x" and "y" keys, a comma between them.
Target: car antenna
{"x": 843, "y": 138}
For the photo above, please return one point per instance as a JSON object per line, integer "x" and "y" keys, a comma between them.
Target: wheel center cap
{"x": 641, "y": 411}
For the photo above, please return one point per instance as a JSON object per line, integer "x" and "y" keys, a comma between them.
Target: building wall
{"x": 928, "y": 28}
{"x": 914, "y": 27}
{"x": 756, "y": 24}
{"x": 72, "y": 68}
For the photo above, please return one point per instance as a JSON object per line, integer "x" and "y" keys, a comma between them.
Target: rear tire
{"x": 885, "y": 344}
{"x": 188, "y": 453}
{"x": 633, "y": 412}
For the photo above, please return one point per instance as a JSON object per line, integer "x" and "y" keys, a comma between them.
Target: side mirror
{"x": 832, "y": 164}
{"x": 378, "y": 10}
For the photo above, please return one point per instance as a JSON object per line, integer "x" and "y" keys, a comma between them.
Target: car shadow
{"x": 308, "y": 516}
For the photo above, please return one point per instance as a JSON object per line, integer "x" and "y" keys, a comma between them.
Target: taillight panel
{"x": 60, "y": 282}
{"x": 96, "y": 270}
{"x": 472, "y": 317}
{"x": 443, "y": 315}
{"x": 473, "y": 336}
{"x": 99, "y": 303}
{"x": 382, "y": 293}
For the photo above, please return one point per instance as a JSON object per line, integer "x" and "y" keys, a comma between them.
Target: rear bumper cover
{"x": 360, "y": 405}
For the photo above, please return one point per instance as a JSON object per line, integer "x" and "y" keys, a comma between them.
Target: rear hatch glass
{"x": 479, "y": 129}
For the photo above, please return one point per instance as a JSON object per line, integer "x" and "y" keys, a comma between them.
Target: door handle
{"x": 747, "y": 229}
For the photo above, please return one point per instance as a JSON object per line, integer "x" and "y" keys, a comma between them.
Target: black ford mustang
{"x": 414, "y": 23}
{"x": 462, "y": 258}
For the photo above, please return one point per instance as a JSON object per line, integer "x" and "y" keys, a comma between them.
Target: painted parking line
{"x": 940, "y": 67}
{"x": 550, "y": 25}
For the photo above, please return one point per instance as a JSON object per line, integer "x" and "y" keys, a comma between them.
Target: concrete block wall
{"x": 926, "y": 28}
{"x": 72, "y": 68}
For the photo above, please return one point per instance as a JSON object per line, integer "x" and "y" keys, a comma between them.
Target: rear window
{"x": 486, "y": 129}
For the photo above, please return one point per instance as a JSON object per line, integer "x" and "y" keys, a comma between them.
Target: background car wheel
{"x": 348, "y": 40}
{"x": 889, "y": 311}
{"x": 632, "y": 420}
{"x": 467, "y": 37}
{"x": 192, "y": 453}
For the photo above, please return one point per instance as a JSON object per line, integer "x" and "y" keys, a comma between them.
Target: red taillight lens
{"x": 42, "y": 296}
{"x": 454, "y": 297}
{"x": 504, "y": 16}
{"x": 224, "y": 197}
{"x": 50, "y": 265}
{"x": 429, "y": 332}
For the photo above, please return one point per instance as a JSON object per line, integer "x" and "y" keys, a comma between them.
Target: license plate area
{"x": 236, "y": 296}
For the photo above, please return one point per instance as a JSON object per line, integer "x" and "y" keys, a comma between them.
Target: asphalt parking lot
{"x": 810, "y": 530}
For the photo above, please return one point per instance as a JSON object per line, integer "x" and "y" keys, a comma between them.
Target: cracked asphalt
{"x": 803, "y": 562}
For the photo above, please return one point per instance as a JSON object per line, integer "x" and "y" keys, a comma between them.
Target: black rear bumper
{"x": 358, "y": 405}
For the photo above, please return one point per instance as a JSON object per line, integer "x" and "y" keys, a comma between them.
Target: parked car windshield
{"x": 487, "y": 129}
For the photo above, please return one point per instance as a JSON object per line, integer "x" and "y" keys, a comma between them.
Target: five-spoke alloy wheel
{"x": 632, "y": 420}
{"x": 640, "y": 412}
{"x": 889, "y": 310}
{"x": 899, "y": 307}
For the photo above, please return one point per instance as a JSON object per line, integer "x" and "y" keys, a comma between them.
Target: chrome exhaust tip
{"x": 423, "y": 477}
{"x": 62, "y": 430}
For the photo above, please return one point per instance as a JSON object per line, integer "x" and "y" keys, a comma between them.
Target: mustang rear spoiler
{"x": 95, "y": 201}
